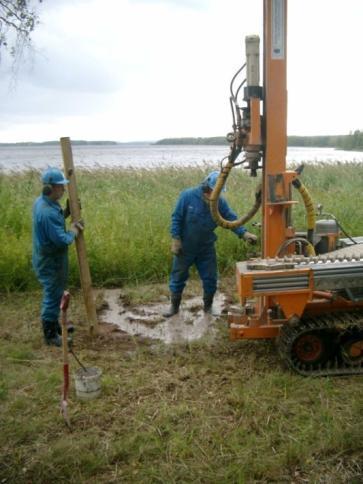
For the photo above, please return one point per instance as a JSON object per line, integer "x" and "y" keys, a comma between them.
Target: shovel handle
{"x": 64, "y": 306}
{"x": 65, "y": 301}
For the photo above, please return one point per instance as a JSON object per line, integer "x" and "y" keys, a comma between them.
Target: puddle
{"x": 190, "y": 324}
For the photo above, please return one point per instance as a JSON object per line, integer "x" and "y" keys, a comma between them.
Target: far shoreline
{"x": 350, "y": 142}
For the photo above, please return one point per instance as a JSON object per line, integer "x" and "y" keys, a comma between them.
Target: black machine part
{"x": 326, "y": 236}
{"x": 324, "y": 346}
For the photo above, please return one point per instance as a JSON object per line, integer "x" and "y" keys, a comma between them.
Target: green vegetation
{"x": 316, "y": 141}
{"x": 204, "y": 412}
{"x": 351, "y": 142}
{"x": 209, "y": 411}
{"x": 354, "y": 141}
{"x": 216, "y": 140}
{"x": 127, "y": 214}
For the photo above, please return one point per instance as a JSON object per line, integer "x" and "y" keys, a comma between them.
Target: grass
{"x": 127, "y": 214}
{"x": 202, "y": 412}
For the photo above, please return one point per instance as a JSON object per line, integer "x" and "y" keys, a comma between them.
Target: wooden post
{"x": 84, "y": 271}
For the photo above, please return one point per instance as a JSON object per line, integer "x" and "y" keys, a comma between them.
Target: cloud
{"x": 147, "y": 69}
{"x": 38, "y": 101}
{"x": 193, "y": 4}
{"x": 72, "y": 70}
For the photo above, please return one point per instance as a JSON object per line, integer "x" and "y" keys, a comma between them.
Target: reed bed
{"x": 127, "y": 214}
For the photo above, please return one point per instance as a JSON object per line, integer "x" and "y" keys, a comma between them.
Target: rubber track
{"x": 335, "y": 366}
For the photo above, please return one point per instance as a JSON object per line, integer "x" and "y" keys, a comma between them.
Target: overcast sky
{"x": 129, "y": 70}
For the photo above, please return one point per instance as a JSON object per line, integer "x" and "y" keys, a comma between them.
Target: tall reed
{"x": 127, "y": 214}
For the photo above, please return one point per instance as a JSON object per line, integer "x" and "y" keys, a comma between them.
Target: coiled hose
{"x": 227, "y": 224}
{"x": 213, "y": 201}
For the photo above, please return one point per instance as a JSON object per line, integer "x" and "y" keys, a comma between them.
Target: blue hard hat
{"x": 211, "y": 180}
{"x": 54, "y": 176}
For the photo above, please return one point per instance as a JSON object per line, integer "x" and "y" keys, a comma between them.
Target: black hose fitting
{"x": 297, "y": 183}
{"x": 299, "y": 169}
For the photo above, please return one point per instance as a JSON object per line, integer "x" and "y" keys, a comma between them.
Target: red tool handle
{"x": 65, "y": 301}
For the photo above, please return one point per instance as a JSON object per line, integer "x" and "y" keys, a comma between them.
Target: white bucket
{"x": 88, "y": 384}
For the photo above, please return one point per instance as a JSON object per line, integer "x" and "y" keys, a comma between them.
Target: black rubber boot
{"x": 50, "y": 331}
{"x": 175, "y": 300}
{"x": 70, "y": 328}
{"x": 208, "y": 303}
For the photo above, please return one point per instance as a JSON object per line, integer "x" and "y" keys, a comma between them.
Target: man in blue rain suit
{"x": 193, "y": 241}
{"x": 50, "y": 250}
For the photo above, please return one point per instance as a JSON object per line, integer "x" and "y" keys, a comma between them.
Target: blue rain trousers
{"x": 193, "y": 224}
{"x": 50, "y": 254}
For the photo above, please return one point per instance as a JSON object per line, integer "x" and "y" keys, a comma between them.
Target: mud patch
{"x": 147, "y": 321}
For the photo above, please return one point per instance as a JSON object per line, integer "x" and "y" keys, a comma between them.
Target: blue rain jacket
{"x": 192, "y": 222}
{"x": 50, "y": 254}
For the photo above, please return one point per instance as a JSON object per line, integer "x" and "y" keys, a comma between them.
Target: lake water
{"x": 14, "y": 158}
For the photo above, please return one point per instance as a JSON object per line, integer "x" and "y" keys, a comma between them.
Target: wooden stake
{"x": 84, "y": 271}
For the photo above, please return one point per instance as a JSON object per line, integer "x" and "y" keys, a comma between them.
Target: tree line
{"x": 352, "y": 141}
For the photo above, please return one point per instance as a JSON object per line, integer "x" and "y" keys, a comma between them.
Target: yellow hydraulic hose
{"x": 310, "y": 215}
{"x": 214, "y": 198}
{"x": 309, "y": 207}
{"x": 308, "y": 202}
{"x": 310, "y": 249}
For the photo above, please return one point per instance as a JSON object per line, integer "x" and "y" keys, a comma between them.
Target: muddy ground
{"x": 147, "y": 320}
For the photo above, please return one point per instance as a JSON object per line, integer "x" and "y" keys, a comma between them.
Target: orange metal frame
{"x": 276, "y": 187}
{"x": 275, "y": 124}
{"x": 276, "y": 191}
{"x": 258, "y": 322}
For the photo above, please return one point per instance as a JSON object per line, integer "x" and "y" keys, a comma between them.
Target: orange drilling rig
{"x": 305, "y": 291}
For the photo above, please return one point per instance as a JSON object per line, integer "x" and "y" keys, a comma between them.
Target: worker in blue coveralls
{"x": 193, "y": 241}
{"x": 50, "y": 250}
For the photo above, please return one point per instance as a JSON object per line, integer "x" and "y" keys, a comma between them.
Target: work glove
{"x": 250, "y": 238}
{"x": 176, "y": 247}
{"x": 77, "y": 227}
